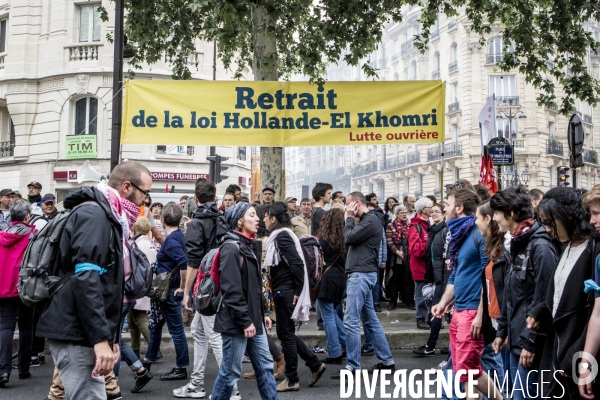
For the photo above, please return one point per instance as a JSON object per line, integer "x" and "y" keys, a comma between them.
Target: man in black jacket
{"x": 533, "y": 257}
{"x": 363, "y": 241}
{"x": 82, "y": 319}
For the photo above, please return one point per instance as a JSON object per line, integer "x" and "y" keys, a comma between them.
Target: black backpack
{"x": 139, "y": 283}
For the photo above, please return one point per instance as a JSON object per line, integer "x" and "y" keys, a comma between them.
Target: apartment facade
{"x": 469, "y": 69}
{"x": 56, "y": 101}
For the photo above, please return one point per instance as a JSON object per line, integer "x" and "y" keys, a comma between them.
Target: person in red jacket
{"x": 417, "y": 249}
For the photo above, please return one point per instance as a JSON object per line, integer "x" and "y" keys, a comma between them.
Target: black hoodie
{"x": 87, "y": 309}
{"x": 363, "y": 241}
{"x": 201, "y": 236}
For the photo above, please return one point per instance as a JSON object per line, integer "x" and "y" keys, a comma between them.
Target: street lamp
{"x": 512, "y": 179}
{"x": 526, "y": 176}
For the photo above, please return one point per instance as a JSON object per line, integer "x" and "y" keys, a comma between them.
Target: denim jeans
{"x": 335, "y": 334}
{"x": 12, "y": 310}
{"x": 75, "y": 366}
{"x": 359, "y": 290}
{"x": 491, "y": 363}
{"x": 172, "y": 312}
{"x": 230, "y": 371}
{"x": 127, "y": 353}
{"x": 203, "y": 334}
{"x": 525, "y": 384}
{"x": 420, "y": 303}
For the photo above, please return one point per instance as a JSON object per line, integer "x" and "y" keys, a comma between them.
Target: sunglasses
{"x": 146, "y": 193}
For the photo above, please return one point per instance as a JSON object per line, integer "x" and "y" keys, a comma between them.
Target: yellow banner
{"x": 237, "y": 113}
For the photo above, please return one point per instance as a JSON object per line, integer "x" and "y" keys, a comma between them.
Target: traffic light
{"x": 219, "y": 168}
{"x": 561, "y": 176}
{"x": 215, "y": 168}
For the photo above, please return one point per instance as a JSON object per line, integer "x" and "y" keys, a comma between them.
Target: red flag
{"x": 483, "y": 171}
{"x": 492, "y": 184}
{"x": 167, "y": 188}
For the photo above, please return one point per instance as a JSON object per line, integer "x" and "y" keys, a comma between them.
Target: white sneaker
{"x": 190, "y": 391}
{"x": 235, "y": 395}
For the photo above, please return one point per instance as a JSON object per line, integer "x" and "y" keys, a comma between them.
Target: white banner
{"x": 487, "y": 119}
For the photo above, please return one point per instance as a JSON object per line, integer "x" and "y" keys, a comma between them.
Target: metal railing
{"x": 452, "y": 25}
{"x": 413, "y": 158}
{"x": 507, "y": 100}
{"x": 587, "y": 118}
{"x": 394, "y": 163}
{"x": 407, "y": 46}
{"x": 493, "y": 59}
{"x": 7, "y": 149}
{"x": 452, "y": 107}
{"x": 2, "y": 58}
{"x": 395, "y": 58}
{"x": 193, "y": 59}
{"x": 555, "y": 147}
{"x": 453, "y": 149}
{"x": 434, "y": 35}
{"x": 365, "y": 169}
{"x": 435, "y": 74}
{"x": 84, "y": 52}
{"x": 453, "y": 67}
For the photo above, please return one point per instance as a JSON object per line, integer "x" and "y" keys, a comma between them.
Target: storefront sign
{"x": 283, "y": 113}
{"x": 176, "y": 176}
{"x": 80, "y": 146}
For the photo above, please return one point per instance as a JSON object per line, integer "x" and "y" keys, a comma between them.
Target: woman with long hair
{"x": 388, "y": 208}
{"x": 241, "y": 319}
{"x": 564, "y": 315}
{"x": 332, "y": 285}
{"x": 289, "y": 282}
{"x": 398, "y": 275}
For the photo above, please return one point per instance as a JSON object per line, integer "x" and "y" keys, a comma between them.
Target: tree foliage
{"x": 549, "y": 36}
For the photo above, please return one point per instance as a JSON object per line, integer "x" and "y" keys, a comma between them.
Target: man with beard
{"x": 464, "y": 288}
{"x": 34, "y": 198}
{"x": 84, "y": 344}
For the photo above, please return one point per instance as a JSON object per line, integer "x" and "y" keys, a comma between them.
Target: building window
{"x": 503, "y": 86}
{"x": 3, "y": 25}
{"x": 86, "y": 116}
{"x": 552, "y": 175}
{"x": 495, "y": 48}
{"x": 455, "y": 132}
{"x": 405, "y": 74}
{"x": 456, "y": 173}
{"x": 506, "y": 129}
{"x": 381, "y": 188}
{"x": 407, "y": 186}
{"x": 551, "y": 129}
{"x": 242, "y": 153}
{"x": 413, "y": 70}
{"x": 454, "y": 92}
{"x": 420, "y": 183}
{"x": 453, "y": 52}
{"x": 89, "y": 23}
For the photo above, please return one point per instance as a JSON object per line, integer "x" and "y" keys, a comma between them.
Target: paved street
{"x": 36, "y": 388}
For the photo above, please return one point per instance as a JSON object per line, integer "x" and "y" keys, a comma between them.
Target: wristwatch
{"x": 583, "y": 367}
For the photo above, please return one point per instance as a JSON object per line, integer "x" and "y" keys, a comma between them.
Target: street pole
{"x": 442, "y": 176}
{"x": 117, "y": 101}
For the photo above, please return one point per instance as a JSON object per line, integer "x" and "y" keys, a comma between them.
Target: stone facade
{"x": 455, "y": 56}
{"x": 56, "y": 80}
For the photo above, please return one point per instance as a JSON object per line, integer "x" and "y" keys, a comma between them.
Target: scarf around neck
{"x": 399, "y": 231}
{"x": 524, "y": 227}
{"x": 459, "y": 229}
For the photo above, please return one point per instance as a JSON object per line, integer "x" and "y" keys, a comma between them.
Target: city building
{"x": 454, "y": 55}
{"x": 55, "y": 101}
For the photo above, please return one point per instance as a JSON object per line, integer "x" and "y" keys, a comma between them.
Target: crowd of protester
{"x": 514, "y": 276}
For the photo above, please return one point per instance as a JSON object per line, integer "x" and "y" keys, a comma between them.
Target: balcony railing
{"x": 453, "y": 67}
{"x": 193, "y": 59}
{"x": 590, "y": 156}
{"x": 407, "y": 46}
{"x": 395, "y": 58}
{"x": 84, "y": 52}
{"x": 365, "y": 169}
{"x": 507, "y": 100}
{"x": 413, "y": 158}
{"x": 2, "y": 57}
{"x": 453, "y": 149}
{"x": 394, "y": 163}
{"x": 452, "y": 107}
{"x": 383, "y": 63}
{"x": 452, "y": 25}
{"x": 555, "y": 147}
{"x": 7, "y": 149}
{"x": 587, "y": 118}
{"x": 435, "y": 35}
{"x": 163, "y": 150}
{"x": 493, "y": 59}
{"x": 435, "y": 74}
{"x": 518, "y": 143}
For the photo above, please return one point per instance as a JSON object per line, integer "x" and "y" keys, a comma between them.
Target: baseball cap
{"x": 288, "y": 199}
{"x": 6, "y": 192}
{"x": 268, "y": 188}
{"x": 48, "y": 197}
{"x": 35, "y": 184}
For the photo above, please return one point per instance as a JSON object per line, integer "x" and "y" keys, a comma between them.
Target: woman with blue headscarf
{"x": 242, "y": 319}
